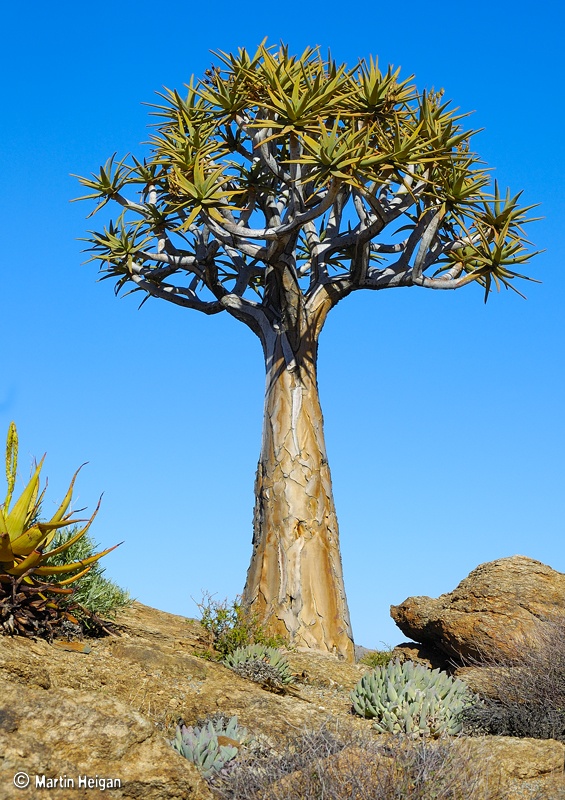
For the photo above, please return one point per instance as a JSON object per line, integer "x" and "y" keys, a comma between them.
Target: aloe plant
{"x": 25, "y": 543}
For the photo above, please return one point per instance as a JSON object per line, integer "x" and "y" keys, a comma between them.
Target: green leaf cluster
{"x": 94, "y": 592}
{"x": 272, "y": 130}
{"x": 261, "y": 664}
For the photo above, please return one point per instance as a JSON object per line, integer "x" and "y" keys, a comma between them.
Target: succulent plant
{"x": 409, "y": 698}
{"x": 210, "y": 746}
{"x": 265, "y": 665}
{"x": 24, "y": 548}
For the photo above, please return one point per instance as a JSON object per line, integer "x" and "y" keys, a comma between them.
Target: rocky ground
{"x": 107, "y": 710}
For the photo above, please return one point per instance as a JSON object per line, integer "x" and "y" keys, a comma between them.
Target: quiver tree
{"x": 275, "y": 187}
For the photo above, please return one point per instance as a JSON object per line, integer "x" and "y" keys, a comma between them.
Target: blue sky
{"x": 444, "y": 417}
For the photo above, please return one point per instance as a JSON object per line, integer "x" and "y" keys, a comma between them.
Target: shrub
{"x": 328, "y": 764}
{"x": 210, "y": 746}
{"x": 376, "y": 658}
{"x": 233, "y": 625}
{"x": 409, "y": 698}
{"x": 94, "y": 593}
{"x": 265, "y": 665}
{"x": 523, "y": 720}
{"x": 526, "y": 695}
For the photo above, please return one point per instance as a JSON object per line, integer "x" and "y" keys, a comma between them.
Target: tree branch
{"x": 273, "y": 234}
{"x": 426, "y": 240}
{"x": 179, "y": 296}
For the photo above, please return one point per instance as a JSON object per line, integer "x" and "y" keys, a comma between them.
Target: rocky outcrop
{"x": 498, "y": 607}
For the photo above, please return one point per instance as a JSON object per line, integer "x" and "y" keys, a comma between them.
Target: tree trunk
{"x": 295, "y": 580}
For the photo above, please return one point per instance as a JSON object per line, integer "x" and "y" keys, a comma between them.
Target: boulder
{"x": 492, "y": 612}
{"x": 522, "y": 759}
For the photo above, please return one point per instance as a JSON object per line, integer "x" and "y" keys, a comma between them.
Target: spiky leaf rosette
{"x": 25, "y": 540}
{"x": 279, "y": 184}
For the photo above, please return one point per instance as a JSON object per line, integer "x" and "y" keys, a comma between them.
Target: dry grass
{"x": 329, "y": 764}
{"x": 526, "y": 693}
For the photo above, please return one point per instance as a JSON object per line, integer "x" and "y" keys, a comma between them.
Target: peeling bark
{"x": 295, "y": 580}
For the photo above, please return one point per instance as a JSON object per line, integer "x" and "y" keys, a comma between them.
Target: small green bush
{"x": 232, "y": 625}
{"x": 93, "y": 592}
{"x": 377, "y": 658}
